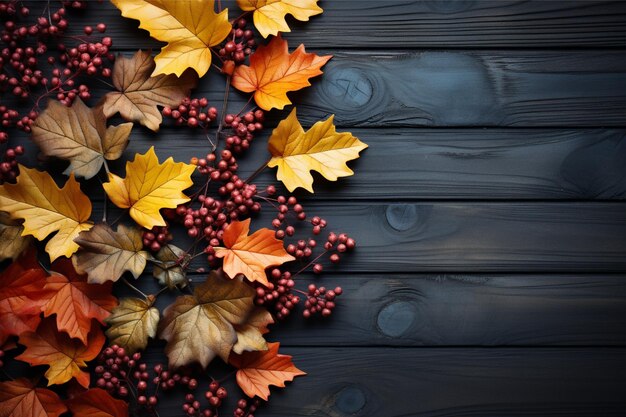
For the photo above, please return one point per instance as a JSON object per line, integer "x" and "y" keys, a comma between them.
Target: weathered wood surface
{"x": 485, "y": 164}
{"x": 475, "y": 237}
{"x": 393, "y": 24}
{"x": 436, "y": 382}
{"x": 458, "y": 88}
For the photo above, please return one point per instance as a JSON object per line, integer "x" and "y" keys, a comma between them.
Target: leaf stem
{"x": 134, "y": 288}
{"x": 223, "y": 112}
{"x": 258, "y": 171}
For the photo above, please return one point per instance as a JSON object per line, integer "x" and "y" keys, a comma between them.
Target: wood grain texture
{"x": 486, "y": 164}
{"x": 430, "y": 24}
{"x": 435, "y": 382}
{"x": 474, "y": 237}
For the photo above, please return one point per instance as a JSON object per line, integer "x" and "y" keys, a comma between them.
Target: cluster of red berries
{"x": 239, "y": 44}
{"x": 277, "y": 295}
{"x": 215, "y": 395}
{"x": 243, "y": 129}
{"x": 8, "y": 167}
{"x": 156, "y": 238}
{"x": 192, "y": 112}
{"x": 320, "y": 300}
{"x": 246, "y": 408}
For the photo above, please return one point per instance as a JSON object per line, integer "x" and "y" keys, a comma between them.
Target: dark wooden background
{"x": 490, "y": 273}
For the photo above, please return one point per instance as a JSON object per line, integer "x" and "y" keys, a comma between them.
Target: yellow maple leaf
{"x": 150, "y": 186}
{"x": 190, "y": 27}
{"x": 251, "y": 254}
{"x": 269, "y": 15}
{"x": 273, "y": 72}
{"x": 46, "y": 208}
{"x": 322, "y": 149}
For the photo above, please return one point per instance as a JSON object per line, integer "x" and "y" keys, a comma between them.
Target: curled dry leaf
{"x": 66, "y": 357}
{"x": 139, "y": 94}
{"x": 80, "y": 135}
{"x": 269, "y": 15}
{"x": 322, "y": 149}
{"x": 273, "y": 72}
{"x": 21, "y": 290}
{"x": 12, "y": 243}
{"x": 256, "y": 371}
{"x": 20, "y": 398}
{"x": 46, "y": 208}
{"x": 105, "y": 254}
{"x": 170, "y": 267}
{"x": 132, "y": 323}
{"x": 191, "y": 28}
{"x": 74, "y": 301}
{"x": 250, "y": 334}
{"x": 150, "y": 186}
{"x": 251, "y": 255}
{"x": 96, "y": 402}
{"x": 200, "y": 326}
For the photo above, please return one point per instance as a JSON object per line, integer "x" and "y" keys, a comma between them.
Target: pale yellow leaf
{"x": 191, "y": 28}
{"x": 322, "y": 149}
{"x": 46, "y": 208}
{"x": 269, "y": 15}
{"x": 150, "y": 186}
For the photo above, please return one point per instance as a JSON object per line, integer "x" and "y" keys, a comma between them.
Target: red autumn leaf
{"x": 273, "y": 72}
{"x": 20, "y": 398}
{"x": 74, "y": 301}
{"x": 96, "y": 402}
{"x": 251, "y": 255}
{"x": 257, "y": 370}
{"x": 21, "y": 286}
{"x": 66, "y": 357}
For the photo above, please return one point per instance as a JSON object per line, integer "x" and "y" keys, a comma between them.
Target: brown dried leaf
{"x": 170, "y": 268}
{"x": 105, "y": 254}
{"x": 250, "y": 334}
{"x": 80, "y": 135}
{"x": 139, "y": 94}
{"x": 132, "y": 323}
{"x": 12, "y": 243}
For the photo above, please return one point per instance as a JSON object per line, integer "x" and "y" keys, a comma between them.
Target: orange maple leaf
{"x": 273, "y": 72}
{"x": 74, "y": 301}
{"x": 251, "y": 255}
{"x": 96, "y": 402}
{"x": 65, "y": 356}
{"x": 21, "y": 286}
{"x": 20, "y": 398}
{"x": 258, "y": 370}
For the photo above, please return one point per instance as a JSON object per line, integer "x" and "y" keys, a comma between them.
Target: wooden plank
{"x": 487, "y": 310}
{"x": 443, "y": 382}
{"x": 454, "y": 310}
{"x": 426, "y": 24}
{"x": 456, "y": 89}
{"x": 445, "y": 164}
{"x": 470, "y": 237}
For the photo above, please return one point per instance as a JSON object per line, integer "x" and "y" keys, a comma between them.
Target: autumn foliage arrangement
{"x": 190, "y": 225}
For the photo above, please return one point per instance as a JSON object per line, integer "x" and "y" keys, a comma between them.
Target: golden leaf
{"x": 258, "y": 370}
{"x": 250, "y": 334}
{"x": 12, "y": 243}
{"x": 273, "y": 72}
{"x": 269, "y": 15}
{"x": 200, "y": 326}
{"x": 251, "y": 255}
{"x": 139, "y": 94}
{"x": 132, "y": 323}
{"x": 322, "y": 149}
{"x": 66, "y": 357}
{"x": 191, "y": 28}
{"x": 150, "y": 186}
{"x": 80, "y": 135}
{"x": 45, "y": 209}
{"x": 105, "y": 254}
